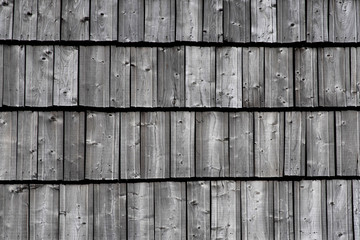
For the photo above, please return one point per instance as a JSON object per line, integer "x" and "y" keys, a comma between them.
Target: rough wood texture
{"x": 25, "y": 19}
{"x": 200, "y": 77}
{"x": 279, "y": 77}
{"x": 241, "y": 134}
{"x": 269, "y": 144}
{"x": 263, "y": 21}
{"x": 189, "y": 20}
{"x": 50, "y": 146}
{"x": 155, "y": 149}
{"x": 283, "y": 210}
{"x": 94, "y": 76}
{"x": 213, "y": 21}
{"x": 48, "y": 22}
{"x": 102, "y": 145}
{"x": 66, "y": 76}
{"x": 229, "y": 77}
{"x": 352, "y": 93}
{"x": 6, "y": 19}
{"x": 131, "y": 20}
{"x": 39, "y": 76}
{"x": 356, "y": 207}
{"x": 212, "y": 140}
{"x": 143, "y": 77}
{"x": 236, "y": 20}
{"x": 320, "y": 144}
{"x": 182, "y": 133}
{"x": 171, "y": 77}
{"x": 253, "y": 77}
{"x": 317, "y": 20}
{"x": 75, "y": 20}
{"x": 44, "y": 211}
{"x": 103, "y": 20}
{"x": 291, "y": 21}
{"x": 342, "y": 21}
{"x": 8, "y": 143}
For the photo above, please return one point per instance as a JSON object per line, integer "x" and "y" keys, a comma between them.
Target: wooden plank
{"x": 283, "y": 210}
{"x": 320, "y": 144}
{"x": 102, "y": 145}
{"x": 189, "y": 20}
{"x": 229, "y": 77}
{"x": 257, "y": 210}
{"x": 295, "y": 148}
{"x": 171, "y": 76}
{"x": 347, "y": 143}
{"x": 356, "y": 208}
{"x": 14, "y": 75}
{"x": 140, "y": 197}
{"x": 213, "y": 21}
{"x": 8, "y": 143}
{"x": 50, "y": 146}
{"x": 263, "y": 21}
{"x": 143, "y": 76}
{"x": 66, "y": 76}
{"x": 225, "y": 210}
{"x": 317, "y": 20}
{"x": 352, "y": 93}
{"x": 334, "y": 76}
{"x": 291, "y": 21}
{"x": 75, "y": 20}
{"x": 241, "y": 148}
{"x": 170, "y": 210}
{"x": 279, "y": 77}
{"x": 103, "y": 20}
{"x": 2, "y": 72}
{"x": 182, "y": 134}
{"x": 27, "y": 148}
{"x": 155, "y": 149}
{"x": 6, "y": 19}
{"x": 131, "y": 20}
{"x": 25, "y": 20}
{"x": 110, "y": 211}
{"x": 342, "y": 21}
{"x": 198, "y": 210}
{"x": 44, "y": 211}
{"x": 94, "y": 76}
{"x": 48, "y": 25}
{"x": 130, "y": 145}
{"x": 14, "y": 211}
{"x": 310, "y": 209}
{"x": 120, "y": 77}
{"x": 76, "y": 212}
{"x": 39, "y": 76}
{"x": 74, "y": 146}
{"x": 200, "y": 76}
{"x": 269, "y": 144}
{"x": 236, "y": 20}
{"x": 253, "y": 77}
{"x": 306, "y": 77}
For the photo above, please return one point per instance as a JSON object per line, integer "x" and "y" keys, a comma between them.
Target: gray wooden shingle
{"x": 103, "y": 20}
{"x": 75, "y": 20}
{"x": 263, "y": 21}
{"x": 25, "y": 20}
{"x": 356, "y": 208}
{"x": 283, "y": 210}
{"x": 317, "y": 20}
{"x": 131, "y": 20}
{"x": 236, "y": 20}
{"x": 6, "y": 19}
{"x": 189, "y": 20}
{"x": 342, "y": 21}
{"x": 48, "y": 22}
{"x": 213, "y": 21}
{"x": 8, "y": 144}
{"x": 352, "y": 93}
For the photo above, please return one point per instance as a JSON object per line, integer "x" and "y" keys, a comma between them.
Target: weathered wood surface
{"x": 25, "y": 19}
{"x": 189, "y": 20}
{"x": 48, "y": 22}
{"x": 291, "y": 21}
{"x": 236, "y": 20}
{"x": 317, "y": 20}
{"x": 6, "y": 19}
{"x": 342, "y": 21}
{"x": 103, "y": 20}
{"x": 283, "y": 210}
{"x": 356, "y": 208}
{"x": 75, "y": 20}
{"x": 352, "y": 93}
{"x": 263, "y": 21}
{"x": 213, "y": 21}
{"x": 131, "y": 23}
{"x": 8, "y": 144}
{"x": 1, "y": 71}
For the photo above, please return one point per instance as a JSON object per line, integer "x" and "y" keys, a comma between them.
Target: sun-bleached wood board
{"x": 8, "y": 143}
{"x": 155, "y": 144}
{"x": 1, "y": 71}
{"x": 44, "y": 211}
{"x": 50, "y": 145}
{"x": 143, "y": 62}
{"x": 320, "y": 144}
{"x": 110, "y": 211}
{"x": 212, "y": 141}
{"x": 317, "y": 20}
{"x": 236, "y": 20}
{"x": 102, "y": 145}
{"x": 306, "y": 77}
{"x": 269, "y": 144}
{"x": 225, "y": 210}
{"x": 229, "y": 77}
{"x": 76, "y": 215}
{"x": 356, "y": 208}
{"x": 140, "y": 211}
{"x": 27, "y": 148}
{"x": 283, "y": 210}
{"x": 182, "y": 134}
{"x": 171, "y": 76}
{"x": 198, "y": 210}
{"x": 75, "y": 20}
{"x": 200, "y": 76}
{"x": 48, "y": 22}
{"x": 14, "y": 75}
{"x": 253, "y": 77}
{"x": 263, "y": 21}
{"x": 291, "y": 21}
{"x": 66, "y": 75}
{"x": 189, "y": 20}
{"x": 352, "y": 93}
{"x": 130, "y": 145}
{"x": 131, "y": 23}
{"x": 342, "y": 21}
{"x": 74, "y": 146}
{"x": 25, "y": 19}
{"x": 39, "y": 76}
{"x": 213, "y": 21}
{"x": 6, "y": 19}
{"x": 170, "y": 210}
{"x": 103, "y": 20}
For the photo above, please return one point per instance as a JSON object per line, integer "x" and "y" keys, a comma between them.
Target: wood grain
{"x": 103, "y": 20}
{"x": 48, "y": 22}
{"x": 75, "y": 20}
{"x": 291, "y": 21}
{"x": 342, "y": 21}
{"x": 236, "y": 20}
{"x": 189, "y": 20}
{"x": 131, "y": 23}
{"x": 25, "y": 20}
{"x": 317, "y": 20}
{"x": 263, "y": 21}
{"x": 283, "y": 210}
{"x": 8, "y": 144}
{"x": 6, "y": 19}
{"x": 213, "y": 21}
